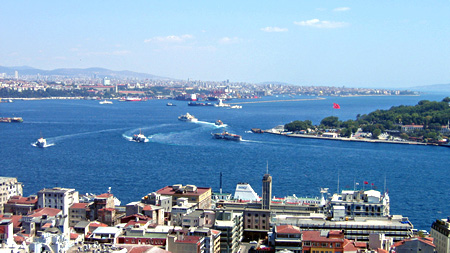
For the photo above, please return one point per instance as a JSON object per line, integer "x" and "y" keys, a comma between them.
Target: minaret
{"x": 266, "y": 190}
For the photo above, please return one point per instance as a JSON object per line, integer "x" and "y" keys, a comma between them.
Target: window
{"x": 338, "y": 245}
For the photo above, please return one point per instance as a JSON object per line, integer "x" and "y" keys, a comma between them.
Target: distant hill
{"x": 433, "y": 87}
{"x": 76, "y": 72}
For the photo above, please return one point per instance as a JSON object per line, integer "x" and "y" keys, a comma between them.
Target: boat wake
{"x": 210, "y": 124}
{"x": 128, "y": 135}
{"x": 45, "y": 146}
{"x": 68, "y": 136}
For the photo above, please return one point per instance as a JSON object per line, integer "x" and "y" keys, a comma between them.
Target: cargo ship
{"x": 227, "y": 136}
{"x": 13, "y": 119}
{"x": 200, "y": 104}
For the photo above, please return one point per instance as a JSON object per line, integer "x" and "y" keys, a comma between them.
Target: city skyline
{"x": 351, "y": 43}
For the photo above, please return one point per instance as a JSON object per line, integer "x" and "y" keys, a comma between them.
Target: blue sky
{"x": 334, "y": 43}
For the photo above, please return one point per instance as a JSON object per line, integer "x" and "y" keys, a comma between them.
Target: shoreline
{"x": 411, "y": 95}
{"x": 276, "y": 101}
{"x": 351, "y": 139}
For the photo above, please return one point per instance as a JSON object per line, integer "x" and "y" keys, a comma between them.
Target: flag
{"x": 336, "y": 106}
{"x": 365, "y": 182}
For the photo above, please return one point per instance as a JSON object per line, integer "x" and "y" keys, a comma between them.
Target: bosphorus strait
{"x": 91, "y": 151}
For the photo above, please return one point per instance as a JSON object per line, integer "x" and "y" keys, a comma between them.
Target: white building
{"x": 368, "y": 203}
{"x": 440, "y": 231}
{"x": 106, "y": 81}
{"x": 245, "y": 192}
{"x": 9, "y": 187}
{"x": 59, "y": 198}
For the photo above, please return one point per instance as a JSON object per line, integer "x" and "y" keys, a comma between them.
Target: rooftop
{"x": 288, "y": 229}
{"x": 168, "y": 190}
{"x": 79, "y": 205}
{"x": 45, "y": 211}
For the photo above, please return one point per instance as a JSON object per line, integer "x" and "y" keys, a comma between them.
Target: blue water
{"x": 91, "y": 151}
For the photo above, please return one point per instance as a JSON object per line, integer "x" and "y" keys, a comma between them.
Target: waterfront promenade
{"x": 271, "y": 131}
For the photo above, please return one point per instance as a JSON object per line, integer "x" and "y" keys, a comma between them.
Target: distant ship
{"x": 139, "y": 137}
{"x": 13, "y": 119}
{"x": 236, "y": 107}
{"x": 170, "y": 104}
{"x": 200, "y": 104}
{"x": 41, "y": 142}
{"x": 105, "y": 102}
{"x": 257, "y": 131}
{"x": 218, "y": 122}
{"x": 227, "y": 136}
{"x": 133, "y": 99}
{"x": 188, "y": 117}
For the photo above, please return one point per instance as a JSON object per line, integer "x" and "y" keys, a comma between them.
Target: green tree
{"x": 376, "y": 133}
{"x": 404, "y": 136}
{"x": 331, "y": 121}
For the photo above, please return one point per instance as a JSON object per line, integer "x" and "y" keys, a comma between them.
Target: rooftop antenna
{"x": 221, "y": 182}
{"x": 267, "y": 167}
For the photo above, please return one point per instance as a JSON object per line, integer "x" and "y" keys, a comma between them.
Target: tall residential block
{"x": 59, "y": 198}
{"x": 440, "y": 231}
{"x": 9, "y": 187}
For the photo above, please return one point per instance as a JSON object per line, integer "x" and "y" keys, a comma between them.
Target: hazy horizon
{"x": 355, "y": 44}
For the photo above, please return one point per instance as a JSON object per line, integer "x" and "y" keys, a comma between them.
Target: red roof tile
{"x": 104, "y": 195}
{"x": 189, "y": 239}
{"x": 22, "y": 200}
{"x": 132, "y": 223}
{"x": 14, "y": 218}
{"x": 79, "y": 206}
{"x": 288, "y": 229}
{"x": 73, "y": 236}
{"x": 52, "y": 212}
{"x": 18, "y": 239}
{"x": 168, "y": 190}
{"x": 96, "y": 224}
{"x": 315, "y": 236}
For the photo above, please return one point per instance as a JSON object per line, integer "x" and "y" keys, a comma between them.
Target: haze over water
{"x": 91, "y": 151}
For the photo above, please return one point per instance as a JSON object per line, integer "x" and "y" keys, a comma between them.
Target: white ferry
{"x": 188, "y": 117}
